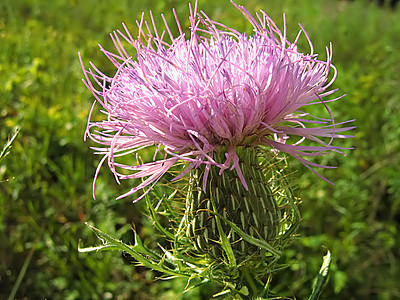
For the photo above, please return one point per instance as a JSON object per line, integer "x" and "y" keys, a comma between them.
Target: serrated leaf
{"x": 143, "y": 260}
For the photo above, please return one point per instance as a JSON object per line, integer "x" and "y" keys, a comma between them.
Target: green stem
{"x": 22, "y": 272}
{"x": 254, "y": 291}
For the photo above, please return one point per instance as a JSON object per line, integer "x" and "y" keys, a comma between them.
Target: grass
{"x": 45, "y": 182}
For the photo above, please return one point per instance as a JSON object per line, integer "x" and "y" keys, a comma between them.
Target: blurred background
{"x": 46, "y": 181}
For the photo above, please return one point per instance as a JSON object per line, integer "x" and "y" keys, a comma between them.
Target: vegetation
{"x": 46, "y": 180}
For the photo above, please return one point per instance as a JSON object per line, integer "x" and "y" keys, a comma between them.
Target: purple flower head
{"x": 211, "y": 91}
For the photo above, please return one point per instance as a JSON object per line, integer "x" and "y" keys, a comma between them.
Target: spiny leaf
{"x": 158, "y": 225}
{"x": 145, "y": 261}
{"x": 92, "y": 249}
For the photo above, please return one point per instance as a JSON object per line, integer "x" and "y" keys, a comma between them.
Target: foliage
{"x": 45, "y": 182}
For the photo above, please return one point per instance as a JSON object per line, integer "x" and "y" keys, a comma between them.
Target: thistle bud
{"x": 254, "y": 210}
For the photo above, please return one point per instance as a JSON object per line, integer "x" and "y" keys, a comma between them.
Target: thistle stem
{"x": 250, "y": 283}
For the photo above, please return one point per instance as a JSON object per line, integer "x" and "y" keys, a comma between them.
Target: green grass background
{"x": 45, "y": 184}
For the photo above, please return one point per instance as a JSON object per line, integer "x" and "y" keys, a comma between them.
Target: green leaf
{"x": 322, "y": 276}
{"x": 144, "y": 257}
{"x": 226, "y": 245}
{"x": 8, "y": 145}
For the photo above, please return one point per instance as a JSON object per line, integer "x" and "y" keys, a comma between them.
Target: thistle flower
{"x": 210, "y": 92}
